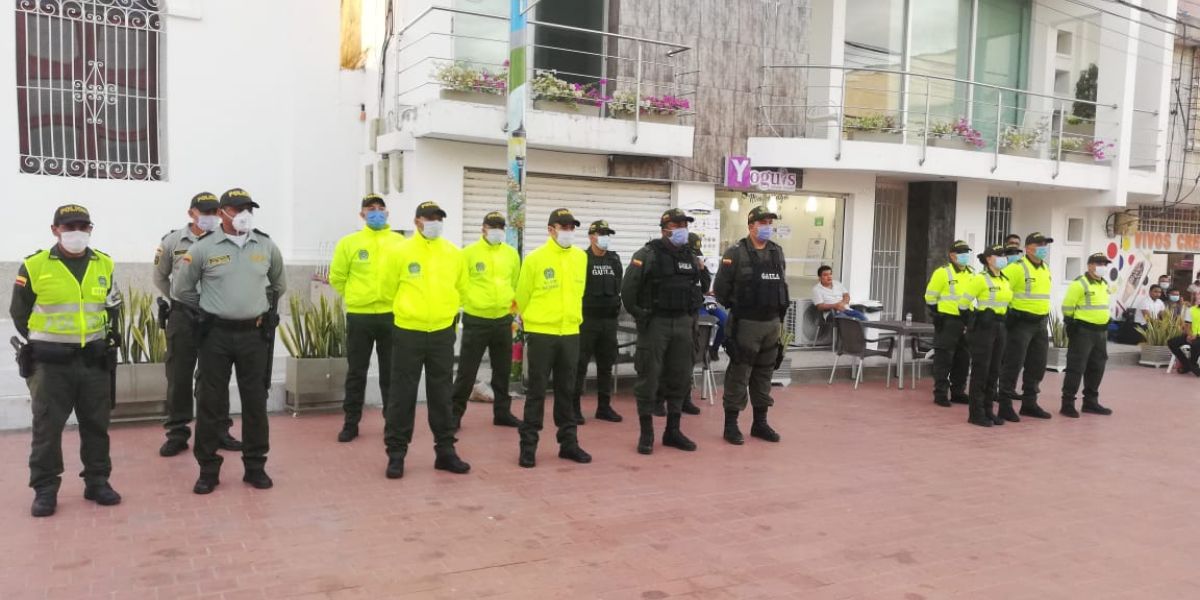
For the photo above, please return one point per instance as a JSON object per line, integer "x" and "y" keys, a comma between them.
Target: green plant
{"x": 1085, "y": 89}
{"x": 1058, "y": 332}
{"x": 875, "y": 122}
{"x": 941, "y": 129}
{"x": 1016, "y": 138}
{"x": 1162, "y": 328}
{"x": 142, "y": 340}
{"x": 466, "y": 77}
{"x": 548, "y": 87}
{"x": 315, "y": 330}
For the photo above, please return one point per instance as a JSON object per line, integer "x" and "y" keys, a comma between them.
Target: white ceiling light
{"x": 733, "y": 205}
{"x": 773, "y": 204}
{"x": 811, "y": 205}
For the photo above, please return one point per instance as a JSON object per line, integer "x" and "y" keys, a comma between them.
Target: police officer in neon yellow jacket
{"x": 356, "y": 272}
{"x": 988, "y": 295}
{"x": 1086, "y": 314}
{"x": 426, "y": 271}
{"x": 951, "y": 358}
{"x": 1026, "y": 348}
{"x": 550, "y": 302}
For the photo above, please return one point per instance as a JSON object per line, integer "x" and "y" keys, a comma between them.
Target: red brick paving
{"x": 873, "y": 493}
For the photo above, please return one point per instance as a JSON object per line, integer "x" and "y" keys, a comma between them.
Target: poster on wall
{"x": 1129, "y": 274}
{"x": 814, "y": 254}
{"x": 708, "y": 227}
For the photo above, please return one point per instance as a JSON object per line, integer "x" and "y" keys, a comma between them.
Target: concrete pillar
{"x": 931, "y": 210}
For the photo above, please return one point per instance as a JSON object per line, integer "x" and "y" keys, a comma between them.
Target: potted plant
{"x": 1016, "y": 141}
{"x": 1156, "y": 333}
{"x": 464, "y": 82}
{"x": 315, "y": 338}
{"x": 1076, "y": 149}
{"x": 653, "y": 109}
{"x": 958, "y": 134}
{"x": 557, "y": 95}
{"x": 1056, "y": 356}
{"x": 141, "y": 372}
{"x": 871, "y": 128}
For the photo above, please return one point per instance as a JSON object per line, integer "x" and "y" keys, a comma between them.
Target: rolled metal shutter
{"x": 632, "y": 208}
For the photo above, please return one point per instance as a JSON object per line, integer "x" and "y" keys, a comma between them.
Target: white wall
{"x": 970, "y": 216}
{"x": 253, "y": 98}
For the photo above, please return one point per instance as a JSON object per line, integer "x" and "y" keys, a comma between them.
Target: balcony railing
{"x": 903, "y": 107}
{"x": 632, "y": 78}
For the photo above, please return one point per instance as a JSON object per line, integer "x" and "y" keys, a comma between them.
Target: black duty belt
{"x": 1091, "y": 326}
{"x": 238, "y": 324}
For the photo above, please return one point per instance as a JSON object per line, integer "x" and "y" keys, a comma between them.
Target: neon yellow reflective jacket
{"x": 1030, "y": 286}
{"x": 492, "y": 273}
{"x": 1087, "y": 301}
{"x": 946, "y": 286}
{"x": 1195, "y": 325}
{"x": 67, "y": 311}
{"x": 357, "y": 270}
{"x": 987, "y": 292}
{"x": 550, "y": 290}
{"x": 427, "y": 276}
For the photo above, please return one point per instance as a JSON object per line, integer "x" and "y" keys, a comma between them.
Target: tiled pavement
{"x": 873, "y": 493}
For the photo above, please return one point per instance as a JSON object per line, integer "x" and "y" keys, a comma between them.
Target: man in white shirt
{"x": 1150, "y": 306}
{"x": 830, "y": 295}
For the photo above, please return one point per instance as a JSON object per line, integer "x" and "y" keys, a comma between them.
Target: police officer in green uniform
{"x": 1086, "y": 314}
{"x": 752, "y": 284}
{"x": 181, "y": 335}
{"x": 952, "y": 356}
{"x": 1028, "y": 342}
{"x": 235, "y": 276}
{"x": 598, "y": 333}
{"x": 701, "y": 345}
{"x": 661, "y": 291}
{"x": 492, "y": 268}
{"x": 64, "y": 302}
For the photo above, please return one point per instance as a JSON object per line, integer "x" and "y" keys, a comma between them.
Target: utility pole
{"x": 518, "y": 91}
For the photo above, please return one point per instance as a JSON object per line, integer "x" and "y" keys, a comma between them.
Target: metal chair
{"x": 852, "y": 341}
{"x": 921, "y": 347}
{"x": 706, "y": 332}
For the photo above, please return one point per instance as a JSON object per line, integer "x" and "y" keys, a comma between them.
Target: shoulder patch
{"x": 187, "y": 258}
{"x": 636, "y": 262}
{"x": 262, "y": 233}
{"x": 21, "y": 281}
{"x": 727, "y": 261}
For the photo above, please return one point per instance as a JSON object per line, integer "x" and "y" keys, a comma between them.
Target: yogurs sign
{"x": 739, "y": 175}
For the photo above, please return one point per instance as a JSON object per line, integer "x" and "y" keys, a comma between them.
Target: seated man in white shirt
{"x": 831, "y": 296}
{"x": 1150, "y": 306}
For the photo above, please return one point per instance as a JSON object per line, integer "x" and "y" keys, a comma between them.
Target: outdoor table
{"x": 903, "y": 331}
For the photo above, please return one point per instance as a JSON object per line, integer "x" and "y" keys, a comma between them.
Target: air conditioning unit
{"x": 807, "y": 325}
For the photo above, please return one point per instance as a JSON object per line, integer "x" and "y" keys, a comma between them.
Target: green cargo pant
{"x": 664, "y": 358}
{"x": 550, "y": 356}
{"x": 363, "y": 332}
{"x": 495, "y": 337}
{"x": 1087, "y": 355}
{"x": 182, "y": 352}
{"x": 413, "y": 352}
{"x": 1025, "y": 355}
{"x": 222, "y": 350}
{"x": 597, "y": 338}
{"x": 56, "y": 389}
{"x": 756, "y": 346}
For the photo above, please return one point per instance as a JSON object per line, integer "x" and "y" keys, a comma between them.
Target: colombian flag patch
{"x": 187, "y": 258}
{"x": 636, "y": 262}
{"x": 22, "y": 281}
{"x": 727, "y": 261}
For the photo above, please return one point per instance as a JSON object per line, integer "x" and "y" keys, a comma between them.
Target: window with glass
{"x": 573, "y": 56}
{"x": 481, "y": 41}
{"x": 875, "y": 40}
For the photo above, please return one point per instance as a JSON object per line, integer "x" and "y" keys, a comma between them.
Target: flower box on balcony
{"x": 863, "y": 135}
{"x": 954, "y": 142}
{"x": 571, "y": 108}
{"x": 668, "y": 119}
{"x": 474, "y": 97}
{"x": 1025, "y": 152}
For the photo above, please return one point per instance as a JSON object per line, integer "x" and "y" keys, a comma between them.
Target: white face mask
{"x": 565, "y": 238}
{"x": 432, "y": 230}
{"x": 602, "y": 242}
{"x": 243, "y": 222}
{"x": 208, "y": 222}
{"x": 75, "y": 242}
{"x": 494, "y": 236}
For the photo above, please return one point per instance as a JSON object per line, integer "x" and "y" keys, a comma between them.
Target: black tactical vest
{"x": 762, "y": 292}
{"x": 673, "y": 282}
{"x": 602, "y": 295}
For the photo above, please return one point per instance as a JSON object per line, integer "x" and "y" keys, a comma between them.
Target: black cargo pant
{"x": 597, "y": 337}
{"x": 225, "y": 347}
{"x": 550, "y": 356}
{"x": 56, "y": 389}
{"x": 413, "y": 352}
{"x": 365, "y": 332}
{"x": 951, "y": 359}
{"x": 181, "y": 358}
{"x": 1178, "y": 344}
{"x": 986, "y": 341}
{"x": 494, "y": 336}
{"x": 756, "y": 349}
{"x": 1087, "y": 356}
{"x": 663, "y": 359}
{"x": 1026, "y": 349}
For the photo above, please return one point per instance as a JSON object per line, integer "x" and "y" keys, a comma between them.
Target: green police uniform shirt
{"x": 228, "y": 281}
{"x": 169, "y": 257}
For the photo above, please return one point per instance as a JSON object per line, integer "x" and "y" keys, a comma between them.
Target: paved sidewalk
{"x": 873, "y": 493}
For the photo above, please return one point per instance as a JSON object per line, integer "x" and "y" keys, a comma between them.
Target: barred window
{"x": 999, "y": 219}
{"x": 1157, "y": 219}
{"x": 88, "y": 86}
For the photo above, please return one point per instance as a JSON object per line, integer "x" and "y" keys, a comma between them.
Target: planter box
{"x": 651, "y": 118}
{"x": 1056, "y": 359}
{"x": 1082, "y": 158}
{"x": 314, "y": 383}
{"x": 571, "y": 108}
{"x": 862, "y": 135}
{"x": 956, "y": 143}
{"x": 1026, "y": 152}
{"x": 474, "y": 97}
{"x": 1155, "y": 356}
{"x": 1086, "y": 129}
{"x": 141, "y": 391}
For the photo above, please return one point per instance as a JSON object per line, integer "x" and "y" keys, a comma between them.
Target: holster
{"x": 779, "y": 357}
{"x": 25, "y": 361}
{"x": 164, "y": 312}
{"x": 202, "y": 324}
{"x": 270, "y": 321}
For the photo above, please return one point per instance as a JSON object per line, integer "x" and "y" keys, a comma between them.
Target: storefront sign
{"x": 1167, "y": 242}
{"x": 739, "y": 175}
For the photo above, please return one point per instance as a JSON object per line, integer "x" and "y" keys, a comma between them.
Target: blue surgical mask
{"x": 679, "y": 236}
{"x": 602, "y": 242}
{"x": 1042, "y": 252}
{"x": 495, "y": 236}
{"x": 963, "y": 259}
{"x": 1174, "y": 297}
{"x": 1001, "y": 262}
{"x": 377, "y": 219}
{"x": 765, "y": 232}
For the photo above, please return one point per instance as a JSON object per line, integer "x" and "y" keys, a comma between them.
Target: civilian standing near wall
{"x": 357, "y": 274}
{"x": 181, "y": 321}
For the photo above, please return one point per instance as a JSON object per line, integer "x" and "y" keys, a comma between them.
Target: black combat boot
{"x": 975, "y": 414}
{"x": 960, "y": 399}
{"x": 689, "y": 407}
{"x": 575, "y": 453}
{"x": 942, "y": 401}
{"x": 172, "y": 447}
{"x": 646, "y": 437}
{"x": 45, "y": 502}
{"x": 759, "y": 428}
{"x": 605, "y": 412}
{"x": 1094, "y": 407}
{"x": 102, "y": 494}
{"x": 505, "y": 419}
{"x": 395, "y": 467}
{"x": 1006, "y": 411}
{"x": 228, "y": 442}
{"x": 989, "y": 413}
{"x": 528, "y": 457}
{"x": 448, "y": 460}
{"x": 733, "y": 435}
{"x": 349, "y": 432}
{"x": 258, "y": 478}
{"x": 1030, "y": 408}
{"x": 673, "y": 437}
{"x": 1068, "y": 409}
